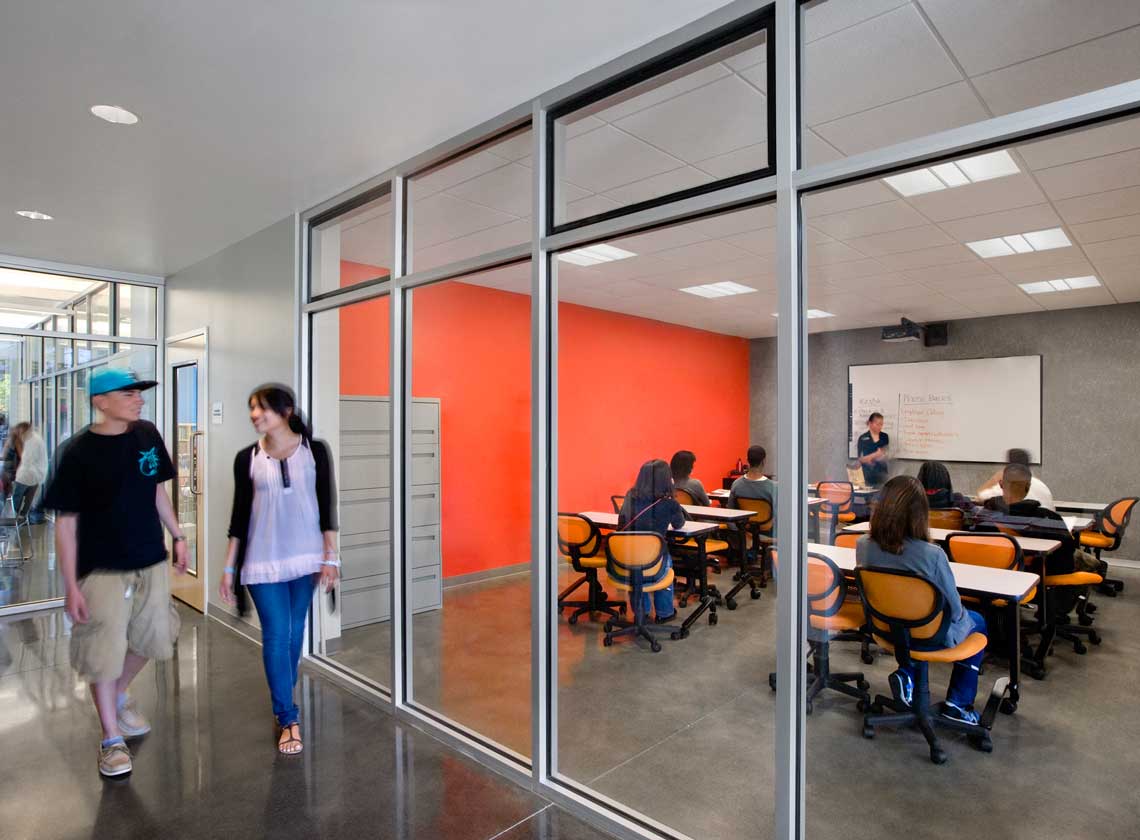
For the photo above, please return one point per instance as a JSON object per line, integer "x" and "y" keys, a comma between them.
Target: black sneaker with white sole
{"x": 902, "y": 687}
{"x": 953, "y": 712}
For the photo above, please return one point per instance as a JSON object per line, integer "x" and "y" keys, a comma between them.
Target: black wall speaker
{"x": 936, "y": 335}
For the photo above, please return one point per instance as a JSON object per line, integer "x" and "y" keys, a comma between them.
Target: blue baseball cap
{"x": 118, "y": 379}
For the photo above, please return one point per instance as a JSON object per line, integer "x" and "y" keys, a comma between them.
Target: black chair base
{"x": 1111, "y": 587}
{"x": 820, "y": 677}
{"x": 595, "y": 601}
{"x": 638, "y": 628}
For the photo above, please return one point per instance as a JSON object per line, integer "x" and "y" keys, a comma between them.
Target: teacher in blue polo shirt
{"x": 873, "y": 451}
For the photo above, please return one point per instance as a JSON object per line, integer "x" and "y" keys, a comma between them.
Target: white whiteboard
{"x": 964, "y": 410}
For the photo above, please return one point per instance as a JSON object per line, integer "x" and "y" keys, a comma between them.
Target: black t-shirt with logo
{"x": 111, "y": 482}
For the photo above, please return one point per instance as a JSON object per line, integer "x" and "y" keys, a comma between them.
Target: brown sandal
{"x": 286, "y": 746}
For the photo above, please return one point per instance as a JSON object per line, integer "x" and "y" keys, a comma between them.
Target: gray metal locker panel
{"x": 364, "y": 494}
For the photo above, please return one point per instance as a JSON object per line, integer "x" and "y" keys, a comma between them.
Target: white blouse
{"x": 285, "y": 540}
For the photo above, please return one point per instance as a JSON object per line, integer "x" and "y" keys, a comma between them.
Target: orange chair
{"x": 838, "y": 506}
{"x": 583, "y": 547}
{"x": 829, "y": 613}
{"x": 759, "y": 530}
{"x": 995, "y": 551}
{"x": 847, "y": 540}
{"x": 688, "y": 548}
{"x": 952, "y": 519}
{"x": 1106, "y": 533}
{"x": 617, "y": 502}
{"x": 633, "y": 562}
{"x": 905, "y": 610}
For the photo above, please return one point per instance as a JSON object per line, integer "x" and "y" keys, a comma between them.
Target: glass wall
{"x": 353, "y": 247}
{"x": 687, "y": 330}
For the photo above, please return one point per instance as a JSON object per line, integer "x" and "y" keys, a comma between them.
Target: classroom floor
{"x": 210, "y": 767}
{"x": 686, "y": 736}
{"x": 33, "y": 579}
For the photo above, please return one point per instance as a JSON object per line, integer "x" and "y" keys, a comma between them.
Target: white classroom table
{"x": 1033, "y": 545}
{"x": 716, "y": 514}
{"x": 1079, "y": 507}
{"x": 981, "y": 581}
{"x": 722, "y": 496}
{"x": 689, "y": 529}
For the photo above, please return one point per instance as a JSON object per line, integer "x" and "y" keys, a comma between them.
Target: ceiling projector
{"x": 907, "y": 330}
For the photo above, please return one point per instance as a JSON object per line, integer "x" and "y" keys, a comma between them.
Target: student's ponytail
{"x": 298, "y": 425}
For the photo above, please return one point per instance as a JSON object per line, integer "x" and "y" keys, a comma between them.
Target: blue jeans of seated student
{"x": 662, "y": 599}
{"x": 964, "y": 679}
{"x": 281, "y": 609}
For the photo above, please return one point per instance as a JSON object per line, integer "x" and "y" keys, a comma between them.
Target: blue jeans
{"x": 281, "y": 608}
{"x": 964, "y": 679}
{"x": 662, "y": 599}
{"x": 18, "y": 492}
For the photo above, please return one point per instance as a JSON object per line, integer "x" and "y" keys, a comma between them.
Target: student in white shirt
{"x": 1038, "y": 492}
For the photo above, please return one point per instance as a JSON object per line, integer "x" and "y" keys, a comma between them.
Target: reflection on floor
{"x": 35, "y": 578}
{"x": 210, "y": 769}
{"x": 686, "y": 736}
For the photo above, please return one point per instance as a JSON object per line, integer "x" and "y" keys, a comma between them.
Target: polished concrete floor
{"x": 686, "y": 736}
{"x": 34, "y": 578}
{"x": 210, "y": 768}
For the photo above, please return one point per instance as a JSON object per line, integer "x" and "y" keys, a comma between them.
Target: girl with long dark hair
{"x": 649, "y": 506}
{"x": 282, "y": 541}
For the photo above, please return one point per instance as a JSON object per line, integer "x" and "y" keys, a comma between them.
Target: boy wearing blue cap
{"x": 111, "y": 507}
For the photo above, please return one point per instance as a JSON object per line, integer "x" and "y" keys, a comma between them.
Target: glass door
{"x": 187, "y": 439}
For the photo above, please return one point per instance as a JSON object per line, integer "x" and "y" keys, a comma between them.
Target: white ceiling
{"x": 877, "y": 72}
{"x": 252, "y": 110}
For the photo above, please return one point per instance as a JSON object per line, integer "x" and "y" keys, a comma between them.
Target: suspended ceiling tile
{"x": 1074, "y": 299}
{"x": 456, "y": 172}
{"x": 956, "y": 286}
{"x": 984, "y": 35}
{"x": 754, "y": 241}
{"x": 701, "y": 254}
{"x": 489, "y": 239}
{"x": 1001, "y": 291}
{"x": 1127, "y": 246}
{"x": 982, "y": 197}
{"x": 661, "y": 239}
{"x": 1107, "y": 229}
{"x": 517, "y": 147}
{"x": 757, "y": 76}
{"x": 1012, "y": 307}
{"x": 1087, "y": 67}
{"x": 840, "y": 272}
{"x": 873, "y": 284}
{"x": 915, "y": 116}
{"x": 507, "y": 188}
{"x": 749, "y": 159}
{"x": 907, "y": 295}
{"x": 879, "y": 218}
{"x": 882, "y": 60}
{"x": 1003, "y": 223}
{"x": 441, "y": 217}
{"x": 659, "y": 185}
{"x": 606, "y": 158}
{"x": 815, "y": 149}
{"x": 1091, "y": 176}
{"x": 748, "y": 58}
{"x": 657, "y": 90}
{"x": 1037, "y": 259}
{"x": 818, "y": 20}
{"x": 1113, "y": 271}
{"x": 1084, "y": 143}
{"x": 952, "y": 271}
{"x": 369, "y": 243}
{"x": 591, "y": 205}
{"x": 579, "y": 123}
{"x": 899, "y": 241}
{"x": 1102, "y": 205}
{"x": 628, "y": 269}
{"x": 941, "y": 255}
{"x": 827, "y": 253}
{"x": 680, "y": 126}
{"x": 1078, "y": 267}
{"x": 847, "y": 198}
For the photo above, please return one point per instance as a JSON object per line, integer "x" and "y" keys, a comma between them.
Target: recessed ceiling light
{"x": 35, "y": 215}
{"x": 955, "y": 173}
{"x": 715, "y": 290}
{"x": 114, "y": 114}
{"x": 595, "y": 255}
{"x": 1066, "y": 284}
{"x": 1020, "y": 243}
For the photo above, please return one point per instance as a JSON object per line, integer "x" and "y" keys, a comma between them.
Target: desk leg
{"x": 1009, "y": 706}
{"x": 708, "y": 594}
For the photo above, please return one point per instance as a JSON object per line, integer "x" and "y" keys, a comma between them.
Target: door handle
{"x": 195, "y": 481}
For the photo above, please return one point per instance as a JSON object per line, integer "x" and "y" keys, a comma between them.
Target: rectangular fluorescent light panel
{"x": 595, "y": 255}
{"x": 1020, "y": 243}
{"x": 716, "y": 290}
{"x": 956, "y": 173}
{"x": 1063, "y": 285}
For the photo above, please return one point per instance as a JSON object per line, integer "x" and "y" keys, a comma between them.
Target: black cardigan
{"x": 243, "y": 503}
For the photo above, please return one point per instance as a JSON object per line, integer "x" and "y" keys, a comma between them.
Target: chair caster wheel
{"x": 863, "y": 685}
{"x": 862, "y": 705}
{"x": 1090, "y": 608}
{"x": 772, "y": 681}
{"x": 730, "y": 603}
{"x": 602, "y": 597}
{"x": 868, "y": 658}
{"x": 676, "y": 636}
{"x": 868, "y": 731}
{"x": 608, "y": 627}
{"x": 1079, "y": 648}
{"x": 1094, "y": 637}
{"x": 713, "y": 619}
{"x": 755, "y": 593}
{"x": 982, "y": 743}
{"x": 1085, "y": 620}
{"x": 655, "y": 647}
{"x": 573, "y": 619}
{"x": 621, "y": 609}
{"x": 607, "y": 641}
{"x": 938, "y": 756}
{"x": 1008, "y": 707}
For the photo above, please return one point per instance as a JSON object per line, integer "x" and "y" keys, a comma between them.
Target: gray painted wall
{"x": 1090, "y": 395}
{"x": 245, "y": 296}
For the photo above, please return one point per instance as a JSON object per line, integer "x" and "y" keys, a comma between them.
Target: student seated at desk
{"x": 754, "y": 484}
{"x": 649, "y": 506}
{"x": 935, "y": 479}
{"x": 1037, "y": 489}
{"x": 1014, "y": 511}
{"x": 899, "y": 539}
{"x": 682, "y": 467}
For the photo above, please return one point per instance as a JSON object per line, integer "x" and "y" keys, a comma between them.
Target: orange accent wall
{"x": 630, "y": 389}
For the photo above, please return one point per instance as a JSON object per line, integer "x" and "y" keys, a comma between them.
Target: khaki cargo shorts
{"x": 128, "y": 611}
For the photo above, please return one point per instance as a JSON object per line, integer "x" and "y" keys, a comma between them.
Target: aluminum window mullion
{"x": 791, "y": 519}
{"x": 399, "y": 360}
